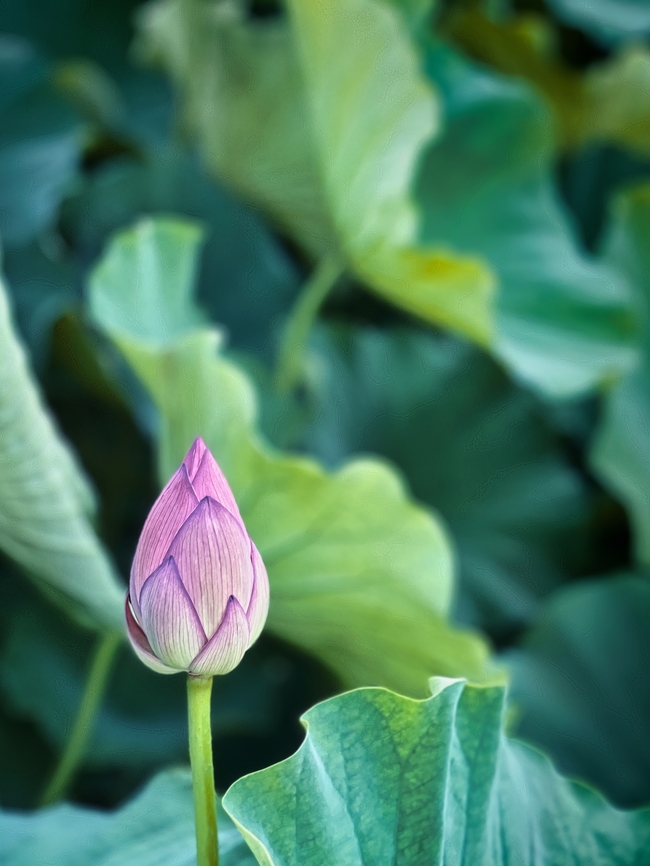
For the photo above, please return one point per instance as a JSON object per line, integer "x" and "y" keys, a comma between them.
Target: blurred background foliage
{"x": 444, "y": 266}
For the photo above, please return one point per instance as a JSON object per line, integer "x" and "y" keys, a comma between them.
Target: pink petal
{"x": 210, "y": 481}
{"x": 212, "y": 553}
{"x": 193, "y": 457}
{"x": 227, "y": 647}
{"x": 167, "y": 515}
{"x": 259, "y": 603}
{"x": 169, "y": 619}
{"x": 141, "y": 645}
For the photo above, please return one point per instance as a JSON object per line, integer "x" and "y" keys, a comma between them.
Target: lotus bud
{"x": 199, "y": 593}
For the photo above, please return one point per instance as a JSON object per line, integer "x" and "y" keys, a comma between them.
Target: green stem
{"x": 324, "y": 278}
{"x": 205, "y": 800}
{"x": 83, "y": 723}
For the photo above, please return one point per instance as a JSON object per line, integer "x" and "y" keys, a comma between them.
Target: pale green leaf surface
{"x": 382, "y": 779}
{"x": 156, "y": 828}
{"x": 564, "y": 320}
{"x": 373, "y": 111}
{"x": 580, "y": 687}
{"x": 360, "y": 576}
{"x": 45, "y": 502}
{"x": 158, "y": 306}
{"x": 621, "y": 450}
{"x": 243, "y": 100}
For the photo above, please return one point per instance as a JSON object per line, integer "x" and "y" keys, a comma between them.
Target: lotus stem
{"x": 301, "y": 319}
{"x": 83, "y": 724}
{"x": 199, "y": 690}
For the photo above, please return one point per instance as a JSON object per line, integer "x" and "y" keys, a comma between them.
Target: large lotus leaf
{"x": 564, "y": 320}
{"x": 580, "y": 685}
{"x": 471, "y": 444}
{"x": 608, "y": 20}
{"x": 360, "y": 576}
{"x": 40, "y": 144}
{"x": 323, "y": 126}
{"x": 372, "y": 113}
{"x": 242, "y": 98}
{"x": 45, "y": 502}
{"x": 621, "y": 451}
{"x": 155, "y": 828}
{"x": 383, "y": 779}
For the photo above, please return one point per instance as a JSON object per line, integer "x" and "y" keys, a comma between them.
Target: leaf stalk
{"x": 82, "y": 727}
{"x": 199, "y": 690}
{"x": 301, "y": 319}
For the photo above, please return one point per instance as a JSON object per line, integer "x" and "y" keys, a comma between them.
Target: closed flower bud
{"x": 198, "y": 594}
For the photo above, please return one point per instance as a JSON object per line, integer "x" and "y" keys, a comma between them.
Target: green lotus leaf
{"x": 242, "y": 98}
{"x": 156, "y": 827}
{"x": 458, "y": 223}
{"x": 565, "y": 321}
{"x": 383, "y": 779}
{"x": 45, "y": 501}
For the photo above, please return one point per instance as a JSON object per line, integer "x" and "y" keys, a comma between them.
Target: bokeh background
{"x": 531, "y": 443}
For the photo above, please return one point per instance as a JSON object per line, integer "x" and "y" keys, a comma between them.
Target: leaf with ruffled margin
{"x": 45, "y": 502}
{"x": 621, "y": 450}
{"x": 360, "y": 576}
{"x": 155, "y": 828}
{"x": 383, "y": 779}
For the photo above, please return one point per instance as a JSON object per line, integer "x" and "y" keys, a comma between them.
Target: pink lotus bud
{"x": 199, "y": 594}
